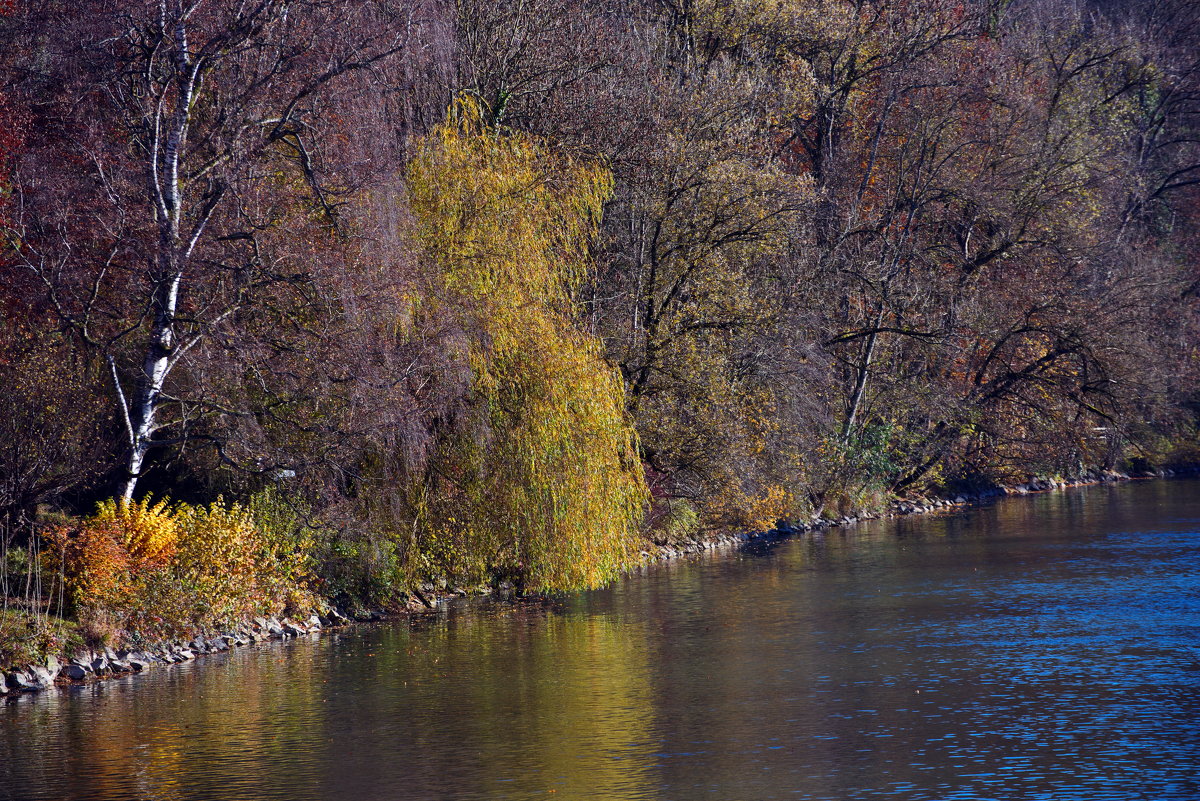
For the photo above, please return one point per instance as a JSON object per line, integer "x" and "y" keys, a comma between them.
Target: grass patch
{"x": 27, "y": 638}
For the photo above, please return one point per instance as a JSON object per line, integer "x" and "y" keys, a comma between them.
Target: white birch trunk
{"x": 166, "y": 198}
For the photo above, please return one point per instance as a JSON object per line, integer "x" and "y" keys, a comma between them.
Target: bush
{"x": 156, "y": 570}
{"x": 148, "y": 531}
{"x": 675, "y": 520}
{"x": 123, "y": 546}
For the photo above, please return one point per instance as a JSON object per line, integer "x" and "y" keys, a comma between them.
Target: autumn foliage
{"x": 390, "y": 295}
{"x": 544, "y": 480}
{"x": 157, "y": 568}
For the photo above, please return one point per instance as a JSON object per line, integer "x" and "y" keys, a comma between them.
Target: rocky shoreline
{"x": 93, "y": 665}
{"x": 108, "y": 663}
{"x": 899, "y": 508}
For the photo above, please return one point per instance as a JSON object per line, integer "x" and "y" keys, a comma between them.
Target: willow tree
{"x": 541, "y": 479}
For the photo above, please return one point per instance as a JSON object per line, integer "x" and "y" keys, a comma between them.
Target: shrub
{"x": 148, "y": 531}
{"x": 112, "y": 553}
{"x": 295, "y": 542}
{"x": 677, "y": 520}
{"x": 229, "y": 564}
{"x": 156, "y": 570}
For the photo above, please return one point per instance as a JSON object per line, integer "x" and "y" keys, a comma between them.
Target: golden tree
{"x": 541, "y": 480}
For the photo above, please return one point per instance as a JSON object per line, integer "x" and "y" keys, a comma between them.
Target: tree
{"x": 540, "y": 478}
{"x": 190, "y": 132}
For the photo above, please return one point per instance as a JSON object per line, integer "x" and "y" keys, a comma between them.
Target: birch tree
{"x": 196, "y": 128}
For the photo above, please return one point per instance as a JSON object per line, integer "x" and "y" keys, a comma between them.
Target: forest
{"x": 321, "y": 301}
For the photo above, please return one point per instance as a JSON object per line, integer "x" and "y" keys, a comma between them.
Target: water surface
{"x": 1041, "y": 648}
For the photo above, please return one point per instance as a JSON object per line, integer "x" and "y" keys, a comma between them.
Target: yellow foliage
{"x": 148, "y": 531}
{"x": 545, "y": 479}
{"x": 228, "y": 566}
{"x": 170, "y": 570}
{"x": 760, "y": 512}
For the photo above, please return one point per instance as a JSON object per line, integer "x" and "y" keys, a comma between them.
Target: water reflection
{"x": 1042, "y": 648}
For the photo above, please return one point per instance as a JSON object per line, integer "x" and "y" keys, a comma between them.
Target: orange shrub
{"x": 165, "y": 571}
{"x": 95, "y": 565}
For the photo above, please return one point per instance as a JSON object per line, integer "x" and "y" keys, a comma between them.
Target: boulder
{"x": 335, "y": 618}
{"x": 20, "y": 682}
{"x": 40, "y": 676}
{"x": 74, "y": 672}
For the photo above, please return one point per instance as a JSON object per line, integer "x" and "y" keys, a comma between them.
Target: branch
{"x": 850, "y": 336}
{"x": 112, "y": 364}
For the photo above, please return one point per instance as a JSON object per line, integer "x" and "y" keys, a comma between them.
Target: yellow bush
{"x": 148, "y": 531}
{"x": 759, "y": 512}
{"x": 217, "y": 559}
{"x": 164, "y": 570}
{"x": 231, "y": 568}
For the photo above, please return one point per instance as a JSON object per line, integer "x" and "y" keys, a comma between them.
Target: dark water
{"x": 1044, "y": 648}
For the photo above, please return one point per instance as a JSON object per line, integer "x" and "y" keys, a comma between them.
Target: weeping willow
{"x": 542, "y": 479}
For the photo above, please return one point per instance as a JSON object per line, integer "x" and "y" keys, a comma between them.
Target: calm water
{"x": 1044, "y": 648}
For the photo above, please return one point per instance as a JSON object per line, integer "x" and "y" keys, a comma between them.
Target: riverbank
{"x": 92, "y": 664}
{"x": 903, "y": 507}
{"x": 894, "y": 659}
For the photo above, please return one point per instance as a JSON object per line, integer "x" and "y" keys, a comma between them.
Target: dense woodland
{"x": 354, "y": 295}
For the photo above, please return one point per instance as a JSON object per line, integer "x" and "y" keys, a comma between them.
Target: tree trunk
{"x": 155, "y": 366}
{"x": 860, "y": 383}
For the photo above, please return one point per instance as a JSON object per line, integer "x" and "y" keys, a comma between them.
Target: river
{"x": 1044, "y": 647}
